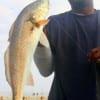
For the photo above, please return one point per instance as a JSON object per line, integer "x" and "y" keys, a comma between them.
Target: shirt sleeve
{"x": 44, "y": 57}
{"x": 52, "y": 30}
{"x": 43, "y": 60}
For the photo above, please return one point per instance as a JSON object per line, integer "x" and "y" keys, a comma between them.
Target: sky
{"x": 9, "y": 10}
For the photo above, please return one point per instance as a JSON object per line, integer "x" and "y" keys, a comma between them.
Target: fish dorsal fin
{"x": 11, "y": 32}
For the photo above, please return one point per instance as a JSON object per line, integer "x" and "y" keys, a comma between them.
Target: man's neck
{"x": 86, "y": 11}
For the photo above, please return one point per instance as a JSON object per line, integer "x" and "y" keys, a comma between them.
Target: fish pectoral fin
{"x": 41, "y": 22}
{"x": 44, "y": 40}
{"x": 30, "y": 80}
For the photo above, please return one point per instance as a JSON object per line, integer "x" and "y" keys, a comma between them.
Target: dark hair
{"x": 80, "y": 4}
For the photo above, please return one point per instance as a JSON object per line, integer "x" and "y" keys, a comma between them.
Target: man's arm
{"x": 43, "y": 59}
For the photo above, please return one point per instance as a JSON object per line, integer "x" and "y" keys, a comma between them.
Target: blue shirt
{"x": 71, "y": 37}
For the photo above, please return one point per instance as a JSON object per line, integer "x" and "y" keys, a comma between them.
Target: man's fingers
{"x": 42, "y": 22}
{"x": 94, "y": 54}
{"x": 91, "y": 57}
{"x": 94, "y": 50}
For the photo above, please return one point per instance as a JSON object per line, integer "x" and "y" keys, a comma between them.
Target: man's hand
{"x": 94, "y": 55}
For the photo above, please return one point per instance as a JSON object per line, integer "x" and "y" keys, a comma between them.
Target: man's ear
{"x": 41, "y": 22}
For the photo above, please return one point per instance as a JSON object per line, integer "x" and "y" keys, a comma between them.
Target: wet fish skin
{"x": 24, "y": 37}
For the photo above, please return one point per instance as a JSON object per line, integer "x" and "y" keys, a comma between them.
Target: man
{"x": 74, "y": 39}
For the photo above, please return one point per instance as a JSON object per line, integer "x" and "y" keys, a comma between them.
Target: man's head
{"x": 81, "y": 4}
